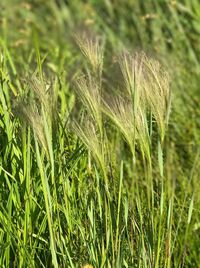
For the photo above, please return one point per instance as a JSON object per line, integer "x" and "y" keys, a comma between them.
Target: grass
{"x": 99, "y": 134}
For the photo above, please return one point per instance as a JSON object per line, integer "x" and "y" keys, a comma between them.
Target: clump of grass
{"x": 69, "y": 221}
{"x": 146, "y": 92}
{"x": 144, "y": 98}
{"x": 143, "y": 102}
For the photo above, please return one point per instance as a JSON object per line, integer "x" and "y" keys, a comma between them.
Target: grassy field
{"x": 99, "y": 133}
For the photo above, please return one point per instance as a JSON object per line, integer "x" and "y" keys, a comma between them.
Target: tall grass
{"x": 144, "y": 103}
{"x": 97, "y": 168}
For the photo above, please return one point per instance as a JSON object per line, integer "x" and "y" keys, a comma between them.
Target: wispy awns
{"x": 119, "y": 110}
{"x": 142, "y": 102}
{"x": 144, "y": 98}
{"x": 92, "y": 48}
{"x": 30, "y": 115}
{"x": 90, "y": 136}
{"x": 89, "y": 91}
{"x": 146, "y": 79}
{"x": 41, "y": 92}
{"x": 132, "y": 124}
{"x": 157, "y": 93}
{"x": 36, "y": 109}
{"x": 131, "y": 66}
{"x": 146, "y": 91}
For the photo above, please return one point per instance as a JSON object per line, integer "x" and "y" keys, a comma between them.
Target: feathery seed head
{"x": 89, "y": 93}
{"x": 37, "y": 109}
{"x": 92, "y": 49}
{"x": 89, "y": 135}
{"x": 157, "y": 93}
